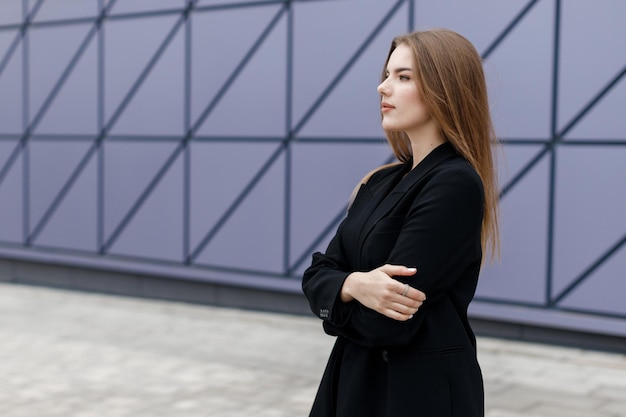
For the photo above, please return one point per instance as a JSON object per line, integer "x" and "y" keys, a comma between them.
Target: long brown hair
{"x": 449, "y": 73}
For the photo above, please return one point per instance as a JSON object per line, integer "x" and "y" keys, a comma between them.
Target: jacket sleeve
{"x": 441, "y": 238}
{"x": 323, "y": 280}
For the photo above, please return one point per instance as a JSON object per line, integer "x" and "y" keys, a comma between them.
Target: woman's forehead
{"x": 401, "y": 57}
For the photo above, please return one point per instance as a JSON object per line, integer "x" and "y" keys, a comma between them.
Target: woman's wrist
{"x": 346, "y": 289}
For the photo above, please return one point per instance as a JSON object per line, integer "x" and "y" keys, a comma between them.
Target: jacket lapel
{"x": 384, "y": 199}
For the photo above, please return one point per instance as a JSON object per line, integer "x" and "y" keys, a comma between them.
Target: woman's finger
{"x": 403, "y": 309}
{"x": 393, "y": 314}
{"x": 397, "y": 270}
{"x": 415, "y": 294}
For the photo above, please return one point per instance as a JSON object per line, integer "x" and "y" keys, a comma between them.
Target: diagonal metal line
{"x": 144, "y": 74}
{"x": 9, "y": 54}
{"x": 237, "y": 202}
{"x": 595, "y": 265}
{"x": 593, "y": 102}
{"x": 525, "y": 170}
{"x": 20, "y": 35}
{"x": 21, "y": 143}
{"x": 343, "y": 71}
{"x": 33, "y": 13}
{"x": 111, "y": 122}
{"x": 64, "y": 76}
{"x": 64, "y": 190}
{"x": 90, "y": 152}
{"x": 242, "y": 64}
{"x": 411, "y": 21}
{"x": 509, "y": 28}
{"x": 559, "y": 136}
{"x": 182, "y": 144}
{"x": 12, "y": 158}
{"x": 144, "y": 195}
{"x": 329, "y": 228}
{"x": 320, "y": 237}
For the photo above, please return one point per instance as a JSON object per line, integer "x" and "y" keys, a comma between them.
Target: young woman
{"x": 396, "y": 280}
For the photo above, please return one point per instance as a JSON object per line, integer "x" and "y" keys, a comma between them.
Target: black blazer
{"x": 429, "y": 218}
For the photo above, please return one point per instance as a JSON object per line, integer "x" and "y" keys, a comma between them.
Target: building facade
{"x": 216, "y": 142}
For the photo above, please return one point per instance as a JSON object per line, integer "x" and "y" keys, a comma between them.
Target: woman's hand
{"x": 377, "y": 290}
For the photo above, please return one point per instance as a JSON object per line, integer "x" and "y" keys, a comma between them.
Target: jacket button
{"x": 385, "y": 355}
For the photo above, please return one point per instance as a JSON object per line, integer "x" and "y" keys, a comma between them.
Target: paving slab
{"x": 75, "y": 354}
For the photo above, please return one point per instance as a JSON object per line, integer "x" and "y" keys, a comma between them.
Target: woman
{"x": 396, "y": 280}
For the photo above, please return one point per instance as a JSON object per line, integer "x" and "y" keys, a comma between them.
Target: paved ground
{"x": 73, "y": 354}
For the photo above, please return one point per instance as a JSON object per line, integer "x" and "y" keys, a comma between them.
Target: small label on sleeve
{"x": 324, "y": 313}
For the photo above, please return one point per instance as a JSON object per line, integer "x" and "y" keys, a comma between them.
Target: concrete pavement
{"x": 73, "y": 354}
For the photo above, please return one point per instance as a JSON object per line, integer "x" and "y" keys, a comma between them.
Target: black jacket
{"x": 429, "y": 218}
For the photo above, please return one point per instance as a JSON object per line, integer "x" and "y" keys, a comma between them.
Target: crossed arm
{"x": 378, "y": 291}
{"x": 441, "y": 237}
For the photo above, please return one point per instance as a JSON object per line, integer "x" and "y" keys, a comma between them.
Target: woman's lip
{"x": 386, "y": 107}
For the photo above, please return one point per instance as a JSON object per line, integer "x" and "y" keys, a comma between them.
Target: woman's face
{"x": 402, "y": 106}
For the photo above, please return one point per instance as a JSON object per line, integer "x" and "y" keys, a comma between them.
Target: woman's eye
{"x": 404, "y": 77}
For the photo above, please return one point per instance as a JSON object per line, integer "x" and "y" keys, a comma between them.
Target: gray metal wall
{"x": 219, "y": 140}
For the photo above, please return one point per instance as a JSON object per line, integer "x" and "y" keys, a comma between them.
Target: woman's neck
{"x": 424, "y": 144}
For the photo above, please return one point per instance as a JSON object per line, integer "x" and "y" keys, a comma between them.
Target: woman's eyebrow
{"x": 401, "y": 69}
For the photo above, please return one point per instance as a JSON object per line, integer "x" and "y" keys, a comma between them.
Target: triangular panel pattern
{"x": 262, "y": 113}
{"x": 128, "y": 169}
{"x": 74, "y": 223}
{"x": 157, "y": 107}
{"x": 11, "y": 105}
{"x": 214, "y": 62}
{"x": 253, "y": 236}
{"x": 512, "y": 159}
{"x": 128, "y": 52}
{"x": 480, "y": 21}
{"x": 219, "y": 173}
{"x": 11, "y": 204}
{"x": 47, "y": 68}
{"x": 7, "y": 147}
{"x": 156, "y": 229}
{"x": 521, "y": 100}
{"x": 351, "y": 110}
{"x": 605, "y": 121}
{"x": 318, "y": 194}
{"x": 74, "y": 110}
{"x": 585, "y": 225}
{"x": 66, "y": 9}
{"x": 51, "y": 164}
{"x": 312, "y": 46}
{"x": 11, "y": 12}
{"x": 520, "y": 276}
{"x": 7, "y": 37}
{"x": 597, "y": 292}
{"x": 588, "y": 52}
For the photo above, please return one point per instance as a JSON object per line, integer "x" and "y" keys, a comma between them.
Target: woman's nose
{"x": 382, "y": 88}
